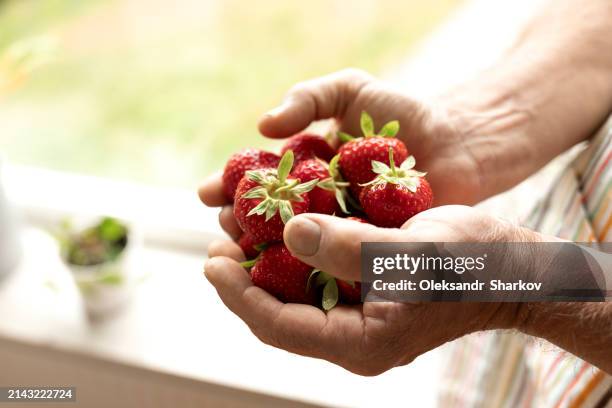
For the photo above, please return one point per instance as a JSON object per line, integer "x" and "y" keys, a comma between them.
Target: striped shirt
{"x": 502, "y": 369}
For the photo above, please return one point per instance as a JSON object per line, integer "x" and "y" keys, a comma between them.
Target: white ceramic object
{"x": 10, "y": 250}
{"x": 103, "y": 295}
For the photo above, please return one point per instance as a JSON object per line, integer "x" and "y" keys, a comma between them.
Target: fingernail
{"x": 302, "y": 236}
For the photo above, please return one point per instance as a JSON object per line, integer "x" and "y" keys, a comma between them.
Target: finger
{"x": 297, "y": 328}
{"x": 211, "y": 191}
{"x": 320, "y": 98}
{"x": 228, "y": 222}
{"x": 226, "y": 248}
{"x": 328, "y": 243}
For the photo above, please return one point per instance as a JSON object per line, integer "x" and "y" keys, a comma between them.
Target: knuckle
{"x": 355, "y": 73}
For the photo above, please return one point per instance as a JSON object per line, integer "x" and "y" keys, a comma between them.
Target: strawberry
{"x": 361, "y": 220}
{"x": 282, "y": 275}
{"x": 328, "y": 196}
{"x": 356, "y": 155}
{"x": 350, "y": 292}
{"x": 250, "y": 246}
{"x": 267, "y": 198}
{"x": 396, "y": 194}
{"x": 307, "y": 146}
{"x": 239, "y": 163}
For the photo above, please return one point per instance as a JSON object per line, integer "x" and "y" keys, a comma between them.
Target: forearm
{"x": 550, "y": 91}
{"x": 583, "y": 329}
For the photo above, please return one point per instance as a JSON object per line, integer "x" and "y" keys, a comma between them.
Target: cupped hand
{"x": 440, "y": 149}
{"x": 374, "y": 337}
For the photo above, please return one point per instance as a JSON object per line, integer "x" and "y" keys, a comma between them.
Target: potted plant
{"x": 98, "y": 257}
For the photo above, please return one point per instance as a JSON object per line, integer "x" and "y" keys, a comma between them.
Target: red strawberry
{"x": 361, "y": 220}
{"x": 239, "y": 163}
{"x": 328, "y": 196}
{"x": 282, "y": 275}
{"x": 308, "y": 146}
{"x": 267, "y": 198}
{"x": 356, "y": 155}
{"x": 249, "y": 245}
{"x": 396, "y": 194}
{"x": 350, "y": 292}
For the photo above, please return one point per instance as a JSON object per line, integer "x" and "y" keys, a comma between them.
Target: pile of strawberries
{"x": 370, "y": 177}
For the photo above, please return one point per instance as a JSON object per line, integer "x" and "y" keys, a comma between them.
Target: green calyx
{"x": 366, "y": 122}
{"x": 336, "y": 184}
{"x": 330, "y": 288}
{"x": 276, "y": 190}
{"x": 404, "y": 175}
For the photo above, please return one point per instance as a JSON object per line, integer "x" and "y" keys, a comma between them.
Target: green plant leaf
{"x": 327, "y": 184}
{"x": 248, "y": 264}
{"x": 333, "y": 166}
{"x": 272, "y": 209}
{"x": 390, "y": 129}
{"x": 409, "y": 184}
{"x": 341, "y": 202}
{"x": 312, "y": 275}
{"x": 286, "y": 211}
{"x": 256, "y": 175}
{"x": 345, "y": 137}
{"x": 256, "y": 192}
{"x": 285, "y": 165}
{"x": 260, "y": 247}
{"x": 380, "y": 167}
{"x": 305, "y": 187}
{"x": 111, "y": 230}
{"x": 367, "y": 124}
{"x": 330, "y": 294}
{"x": 408, "y": 164}
{"x": 260, "y": 208}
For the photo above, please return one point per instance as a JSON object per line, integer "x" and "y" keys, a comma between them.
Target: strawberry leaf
{"x": 380, "y": 167}
{"x": 285, "y": 165}
{"x": 367, "y": 124}
{"x": 390, "y": 129}
{"x": 345, "y": 137}
{"x": 333, "y": 166}
{"x": 312, "y": 275}
{"x": 327, "y": 184}
{"x": 341, "y": 202}
{"x": 271, "y": 210}
{"x": 248, "y": 264}
{"x": 286, "y": 211}
{"x": 330, "y": 294}
{"x": 305, "y": 187}
{"x": 408, "y": 164}
{"x": 260, "y": 247}
{"x": 260, "y": 208}
{"x": 255, "y": 192}
{"x": 256, "y": 176}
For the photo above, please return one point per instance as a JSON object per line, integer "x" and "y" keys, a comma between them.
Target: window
{"x": 162, "y": 92}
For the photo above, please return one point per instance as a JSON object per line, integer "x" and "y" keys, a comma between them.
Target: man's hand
{"x": 374, "y": 337}
{"x": 429, "y": 135}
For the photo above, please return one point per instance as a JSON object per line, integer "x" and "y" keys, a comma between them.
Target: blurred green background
{"x": 163, "y": 91}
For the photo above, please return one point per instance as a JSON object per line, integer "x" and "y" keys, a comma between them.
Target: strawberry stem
{"x": 392, "y": 163}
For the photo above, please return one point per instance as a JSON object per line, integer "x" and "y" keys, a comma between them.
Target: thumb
{"x": 321, "y": 98}
{"x": 333, "y": 244}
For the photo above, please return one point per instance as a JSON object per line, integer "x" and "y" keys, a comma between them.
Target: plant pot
{"x": 107, "y": 287}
